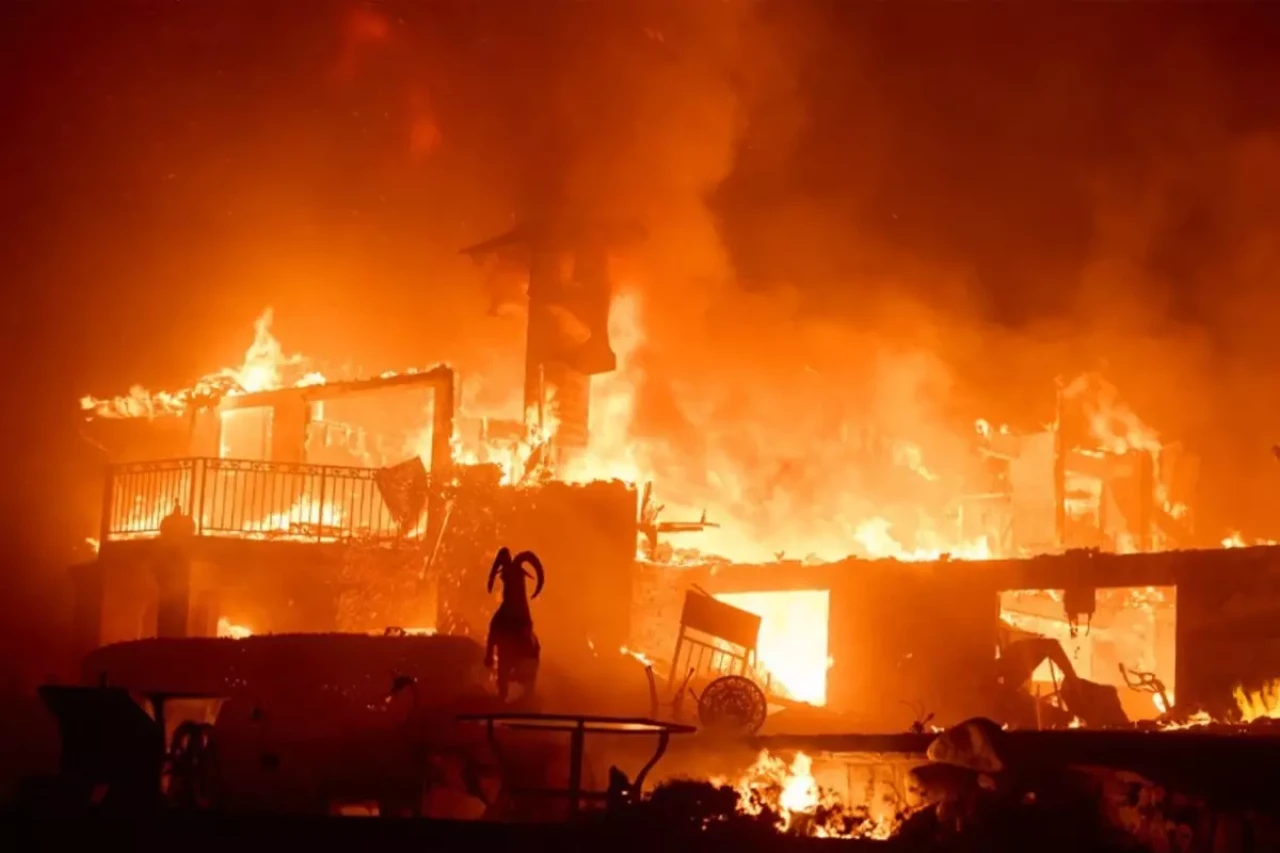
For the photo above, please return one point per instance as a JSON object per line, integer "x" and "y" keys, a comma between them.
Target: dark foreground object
{"x": 1236, "y": 768}
{"x": 276, "y": 834}
{"x": 351, "y": 834}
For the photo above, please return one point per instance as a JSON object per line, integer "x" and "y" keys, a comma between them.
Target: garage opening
{"x": 1132, "y": 627}
{"x": 793, "y": 638}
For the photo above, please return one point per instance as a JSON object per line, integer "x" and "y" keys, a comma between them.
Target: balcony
{"x": 243, "y": 499}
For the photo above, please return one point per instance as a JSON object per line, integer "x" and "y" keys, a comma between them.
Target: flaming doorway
{"x": 793, "y": 638}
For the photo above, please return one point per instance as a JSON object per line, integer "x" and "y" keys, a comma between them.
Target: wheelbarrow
{"x": 130, "y": 751}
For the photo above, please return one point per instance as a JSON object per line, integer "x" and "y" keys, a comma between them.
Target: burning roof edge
{"x": 321, "y": 391}
{"x": 188, "y": 402}
{"x": 1041, "y": 571}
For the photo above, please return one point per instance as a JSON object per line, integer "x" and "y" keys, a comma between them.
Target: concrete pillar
{"x": 443, "y": 406}
{"x": 205, "y": 611}
{"x": 88, "y": 598}
{"x": 289, "y": 419}
{"x": 206, "y": 433}
{"x": 172, "y": 572}
{"x": 173, "y": 578}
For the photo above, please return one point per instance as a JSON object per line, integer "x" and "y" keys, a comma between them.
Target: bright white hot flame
{"x": 231, "y": 631}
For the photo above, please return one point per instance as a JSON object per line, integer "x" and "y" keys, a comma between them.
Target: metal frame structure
{"x": 577, "y": 727}
{"x": 732, "y": 692}
{"x": 715, "y": 619}
{"x": 248, "y": 499}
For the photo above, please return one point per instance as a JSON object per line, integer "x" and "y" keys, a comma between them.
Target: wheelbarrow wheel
{"x": 733, "y": 702}
{"x": 191, "y": 766}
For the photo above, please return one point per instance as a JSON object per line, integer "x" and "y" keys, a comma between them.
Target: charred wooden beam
{"x": 1049, "y": 571}
{"x": 567, "y": 334}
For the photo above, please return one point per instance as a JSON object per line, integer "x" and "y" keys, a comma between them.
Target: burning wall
{"x": 1133, "y": 629}
{"x": 909, "y": 638}
{"x": 584, "y": 535}
{"x": 883, "y": 621}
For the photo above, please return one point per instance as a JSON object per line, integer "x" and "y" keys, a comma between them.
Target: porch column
{"x": 88, "y": 599}
{"x": 172, "y": 571}
{"x": 204, "y": 613}
{"x": 289, "y": 420}
{"x": 173, "y": 577}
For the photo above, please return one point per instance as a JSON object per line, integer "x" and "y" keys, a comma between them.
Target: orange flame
{"x": 264, "y": 368}
{"x": 630, "y": 653}
{"x": 791, "y": 792}
{"x": 826, "y": 508}
{"x": 231, "y": 631}
{"x": 1260, "y": 704}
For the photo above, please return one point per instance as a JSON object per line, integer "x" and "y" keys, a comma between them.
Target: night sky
{"x": 172, "y": 168}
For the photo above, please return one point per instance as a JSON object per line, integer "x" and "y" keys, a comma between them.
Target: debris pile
{"x": 772, "y": 796}
{"x": 974, "y": 787}
{"x": 787, "y": 796}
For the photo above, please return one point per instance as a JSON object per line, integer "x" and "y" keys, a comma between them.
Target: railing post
{"x": 199, "y": 469}
{"x": 108, "y": 494}
{"x": 191, "y": 490}
{"x": 320, "y": 507}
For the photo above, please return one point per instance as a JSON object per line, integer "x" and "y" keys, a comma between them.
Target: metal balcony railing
{"x": 248, "y": 499}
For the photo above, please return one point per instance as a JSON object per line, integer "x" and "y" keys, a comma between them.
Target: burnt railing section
{"x": 250, "y": 499}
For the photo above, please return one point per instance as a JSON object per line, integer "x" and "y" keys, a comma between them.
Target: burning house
{"x": 272, "y": 499}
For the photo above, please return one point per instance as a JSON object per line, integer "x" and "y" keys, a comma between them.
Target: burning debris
{"x": 1119, "y": 486}
{"x": 232, "y": 631}
{"x": 786, "y": 796}
{"x": 1262, "y": 703}
{"x": 772, "y": 796}
{"x": 266, "y": 367}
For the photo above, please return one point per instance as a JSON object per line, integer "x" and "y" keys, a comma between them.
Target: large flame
{"x": 756, "y": 521}
{"x": 266, "y": 367}
{"x": 1260, "y": 704}
{"x": 617, "y": 451}
{"x": 779, "y": 488}
{"x": 768, "y": 496}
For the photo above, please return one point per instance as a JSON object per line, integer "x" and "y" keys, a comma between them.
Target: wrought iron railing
{"x": 249, "y": 499}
